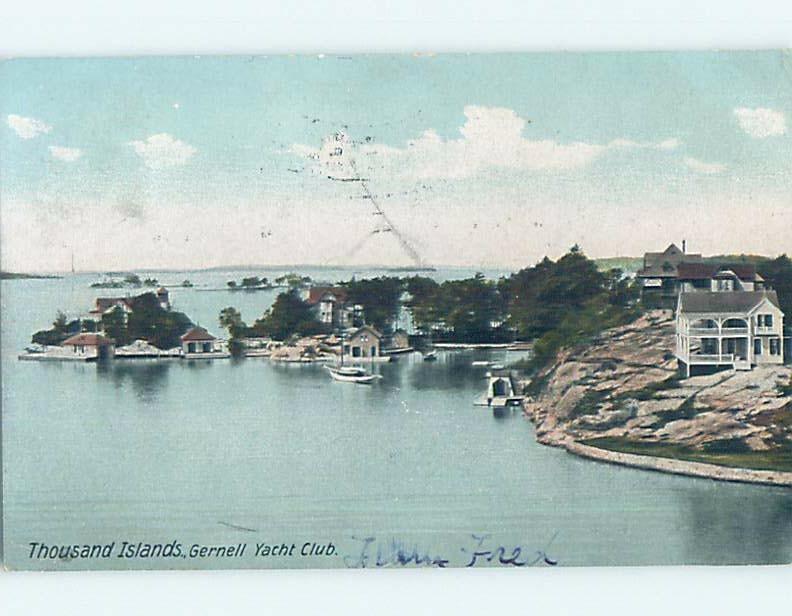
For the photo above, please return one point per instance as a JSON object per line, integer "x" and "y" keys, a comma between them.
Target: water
{"x": 250, "y": 451}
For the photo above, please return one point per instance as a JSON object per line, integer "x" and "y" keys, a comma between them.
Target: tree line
{"x": 552, "y": 302}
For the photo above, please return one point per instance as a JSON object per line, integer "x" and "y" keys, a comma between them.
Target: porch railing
{"x": 705, "y": 358}
{"x": 714, "y": 332}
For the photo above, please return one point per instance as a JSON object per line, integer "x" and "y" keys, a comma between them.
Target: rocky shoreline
{"x": 623, "y": 390}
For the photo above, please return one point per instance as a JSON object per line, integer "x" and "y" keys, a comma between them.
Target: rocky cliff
{"x": 623, "y": 392}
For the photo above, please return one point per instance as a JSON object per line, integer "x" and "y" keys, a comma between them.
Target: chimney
{"x": 684, "y": 246}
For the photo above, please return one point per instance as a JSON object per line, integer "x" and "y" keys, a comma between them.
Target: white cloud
{"x": 491, "y": 137}
{"x": 65, "y": 154}
{"x": 27, "y": 128}
{"x": 162, "y": 151}
{"x": 699, "y": 166}
{"x": 761, "y": 122}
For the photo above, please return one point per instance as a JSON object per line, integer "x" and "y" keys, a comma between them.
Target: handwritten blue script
{"x": 480, "y": 551}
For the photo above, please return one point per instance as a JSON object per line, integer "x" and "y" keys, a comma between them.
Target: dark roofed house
{"x": 330, "y": 306}
{"x": 737, "y": 329}
{"x": 718, "y": 277}
{"x": 658, "y": 276}
{"x": 106, "y": 304}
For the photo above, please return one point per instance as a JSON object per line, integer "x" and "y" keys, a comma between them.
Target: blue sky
{"x": 475, "y": 159}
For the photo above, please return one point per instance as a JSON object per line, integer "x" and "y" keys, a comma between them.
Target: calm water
{"x": 199, "y": 452}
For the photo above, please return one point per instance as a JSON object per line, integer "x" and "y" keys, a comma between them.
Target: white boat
{"x": 430, "y": 356}
{"x": 351, "y": 374}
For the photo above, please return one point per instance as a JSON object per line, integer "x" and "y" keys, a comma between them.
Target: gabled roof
{"x": 367, "y": 328}
{"x": 731, "y": 302}
{"x": 704, "y": 271}
{"x": 664, "y": 264}
{"x": 103, "y": 304}
{"x": 315, "y": 294}
{"x": 197, "y": 334}
{"x": 86, "y": 339}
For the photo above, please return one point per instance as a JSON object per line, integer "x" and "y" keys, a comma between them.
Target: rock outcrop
{"x": 625, "y": 386}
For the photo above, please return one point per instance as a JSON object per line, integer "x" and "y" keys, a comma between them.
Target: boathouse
{"x": 89, "y": 346}
{"x": 197, "y": 342}
{"x": 364, "y": 342}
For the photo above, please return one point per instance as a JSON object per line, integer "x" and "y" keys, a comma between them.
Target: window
{"x": 765, "y": 320}
{"x": 757, "y": 346}
{"x": 775, "y": 346}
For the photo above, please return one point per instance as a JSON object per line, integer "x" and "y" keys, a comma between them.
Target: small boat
{"x": 351, "y": 374}
{"x": 430, "y": 356}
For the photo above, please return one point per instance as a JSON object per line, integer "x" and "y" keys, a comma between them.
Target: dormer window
{"x": 765, "y": 320}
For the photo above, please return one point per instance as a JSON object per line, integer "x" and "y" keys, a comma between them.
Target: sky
{"x": 473, "y": 160}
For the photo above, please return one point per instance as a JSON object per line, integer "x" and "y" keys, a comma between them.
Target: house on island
{"x": 88, "y": 347}
{"x": 106, "y": 305}
{"x": 328, "y": 305}
{"x": 658, "y": 276}
{"x": 696, "y": 277}
{"x": 197, "y": 343}
{"x": 363, "y": 343}
{"x": 733, "y": 329}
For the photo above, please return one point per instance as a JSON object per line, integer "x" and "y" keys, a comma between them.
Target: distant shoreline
{"x": 301, "y": 266}
{"x": 23, "y": 276}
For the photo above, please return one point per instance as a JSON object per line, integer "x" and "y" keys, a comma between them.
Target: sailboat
{"x": 351, "y": 374}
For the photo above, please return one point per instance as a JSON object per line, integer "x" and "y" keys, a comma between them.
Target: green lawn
{"x": 779, "y": 459}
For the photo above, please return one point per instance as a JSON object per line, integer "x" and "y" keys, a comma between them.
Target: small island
{"x": 129, "y": 281}
{"x": 141, "y": 326}
{"x": 250, "y": 283}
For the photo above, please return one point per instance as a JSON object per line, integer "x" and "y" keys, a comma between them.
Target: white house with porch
{"x": 737, "y": 329}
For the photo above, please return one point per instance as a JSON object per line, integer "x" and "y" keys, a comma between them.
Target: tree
{"x": 778, "y": 273}
{"x": 114, "y": 324}
{"x": 289, "y": 315}
{"x": 251, "y": 281}
{"x": 60, "y": 325}
{"x": 380, "y": 298}
{"x": 231, "y": 320}
{"x": 149, "y": 321}
{"x": 422, "y": 301}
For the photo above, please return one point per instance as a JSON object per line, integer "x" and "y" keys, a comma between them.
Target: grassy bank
{"x": 779, "y": 459}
